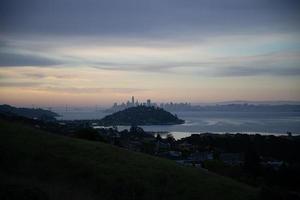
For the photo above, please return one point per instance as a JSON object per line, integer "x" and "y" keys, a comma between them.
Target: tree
{"x": 87, "y": 134}
{"x": 252, "y": 161}
{"x": 170, "y": 138}
{"x": 158, "y": 137}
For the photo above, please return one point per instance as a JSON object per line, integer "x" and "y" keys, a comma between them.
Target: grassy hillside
{"x": 40, "y": 165}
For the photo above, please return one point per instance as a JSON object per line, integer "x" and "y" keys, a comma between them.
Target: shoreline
{"x": 180, "y": 134}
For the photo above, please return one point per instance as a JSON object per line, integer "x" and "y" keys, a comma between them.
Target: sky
{"x": 96, "y": 52}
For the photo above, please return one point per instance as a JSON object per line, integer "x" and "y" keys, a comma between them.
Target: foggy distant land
{"x": 141, "y": 115}
{"x": 32, "y": 113}
{"x": 259, "y": 102}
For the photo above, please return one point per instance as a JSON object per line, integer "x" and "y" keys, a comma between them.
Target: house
{"x": 173, "y": 155}
{"x": 232, "y": 158}
{"x": 185, "y": 146}
{"x": 162, "y": 146}
{"x": 135, "y": 146}
{"x": 274, "y": 164}
{"x": 201, "y": 156}
{"x": 189, "y": 163}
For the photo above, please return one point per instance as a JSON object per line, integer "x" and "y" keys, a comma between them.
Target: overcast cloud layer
{"x": 196, "y": 42}
{"x": 157, "y": 17}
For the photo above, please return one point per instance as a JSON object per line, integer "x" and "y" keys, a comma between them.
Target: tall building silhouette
{"x": 148, "y": 102}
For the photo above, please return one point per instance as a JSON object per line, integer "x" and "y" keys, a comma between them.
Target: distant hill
{"x": 31, "y": 113}
{"x": 39, "y": 165}
{"x": 141, "y": 115}
{"x": 258, "y": 102}
{"x": 244, "y": 107}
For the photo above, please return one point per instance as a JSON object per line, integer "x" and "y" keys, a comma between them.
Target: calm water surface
{"x": 214, "y": 121}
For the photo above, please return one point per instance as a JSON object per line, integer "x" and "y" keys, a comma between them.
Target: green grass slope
{"x": 40, "y": 165}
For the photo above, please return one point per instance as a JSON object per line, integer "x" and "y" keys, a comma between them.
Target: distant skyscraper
{"x": 132, "y": 100}
{"x": 148, "y": 102}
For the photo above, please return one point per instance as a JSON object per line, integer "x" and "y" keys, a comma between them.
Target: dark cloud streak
{"x": 14, "y": 59}
{"x": 238, "y": 71}
{"x": 142, "y": 18}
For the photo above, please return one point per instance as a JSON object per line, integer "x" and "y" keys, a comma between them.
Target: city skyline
{"x": 85, "y": 53}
